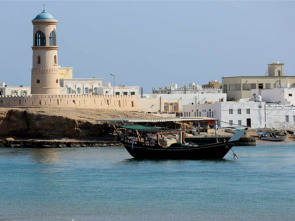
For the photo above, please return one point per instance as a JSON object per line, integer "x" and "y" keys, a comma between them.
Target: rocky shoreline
{"x": 35, "y": 143}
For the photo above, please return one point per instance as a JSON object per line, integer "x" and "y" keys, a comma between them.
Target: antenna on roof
{"x": 44, "y": 8}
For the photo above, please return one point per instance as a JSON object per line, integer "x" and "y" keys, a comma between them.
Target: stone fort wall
{"x": 118, "y": 102}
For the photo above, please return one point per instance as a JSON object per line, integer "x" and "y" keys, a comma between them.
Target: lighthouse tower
{"x": 45, "y": 71}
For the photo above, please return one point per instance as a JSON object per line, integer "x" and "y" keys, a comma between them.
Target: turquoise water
{"x": 107, "y": 184}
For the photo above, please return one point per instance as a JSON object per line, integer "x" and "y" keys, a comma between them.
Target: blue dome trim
{"x": 44, "y": 16}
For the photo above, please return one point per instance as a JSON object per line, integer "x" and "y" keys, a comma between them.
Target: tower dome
{"x": 44, "y": 16}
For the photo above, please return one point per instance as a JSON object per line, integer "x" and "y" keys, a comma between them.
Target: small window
{"x": 86, "y": 90}
{"x": 117, "y": 93}
{"x": 78, "y": 90}
{"x": 38, "y": 59}
{"x": 290, "y": 95}
{"x": 239, "y": 122}
{"x": 248, "y": 111}
{"x": 287, "y": 118}
{"x": 231, "y": 111}
{"x": 239, "y": 111}
{"x": 55, "y": 60}
{"x": 125, "y": 93}
{"x": 56, "y": 81}
{"x": 38, "y": 81}
{"x": 260, "y": 86}
{"x": 230, "y": 122}
{"x": 132, "y": 93}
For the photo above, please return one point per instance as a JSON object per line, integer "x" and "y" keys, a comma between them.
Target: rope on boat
{"x": 235, "y": 155}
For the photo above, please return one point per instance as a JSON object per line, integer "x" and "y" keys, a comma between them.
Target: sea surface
{"x": 105, "y": 183}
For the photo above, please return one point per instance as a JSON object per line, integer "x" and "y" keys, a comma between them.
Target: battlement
{"x": 119, "y": 102}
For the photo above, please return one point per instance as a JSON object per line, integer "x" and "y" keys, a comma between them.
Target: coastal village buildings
{"x": 240, "y": 87}
{"x": 264, "y": 101}
{"x": 270, "y": 108}
{"x": 171, "y": 99}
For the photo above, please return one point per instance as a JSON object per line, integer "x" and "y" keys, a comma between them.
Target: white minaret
{"x": 45, "y": 71}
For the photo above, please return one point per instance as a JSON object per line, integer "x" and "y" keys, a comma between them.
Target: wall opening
{"x": 52, "y": 39}
{"x": 40, "y": 39}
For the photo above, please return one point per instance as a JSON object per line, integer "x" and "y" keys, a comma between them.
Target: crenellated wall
{"x": 119, "y": 102}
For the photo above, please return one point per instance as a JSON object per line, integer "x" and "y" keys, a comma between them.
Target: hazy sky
{"x": 152, "y": 43}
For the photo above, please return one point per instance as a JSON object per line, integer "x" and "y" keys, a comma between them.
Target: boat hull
{"x": 277, "y": 138}
{"x": 209, "y": 151}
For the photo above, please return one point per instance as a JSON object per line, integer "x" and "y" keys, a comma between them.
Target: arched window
{"x": 56, "y": 81}
{"x": 38, "y": 59}
{"x": 279, "y": 73}
{"x": 69, "y": 90}
{"x": 55, "y": 59}
{"x": 86, "y": 90}
{"x": 38, "y": 81}
{"x": 78, "y": 90}
{"x": 52, "y": 39}
{"x": 40, "y": 39}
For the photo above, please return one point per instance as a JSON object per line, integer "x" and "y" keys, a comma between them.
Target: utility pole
{"x": 114, "y": 82}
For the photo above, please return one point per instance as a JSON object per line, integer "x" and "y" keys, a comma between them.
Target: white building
{"x": 81, "y": 86}
{"x": 13, "y": 90}
{"x": 173, "y": 103}
{"x": 283, "y": 96}
{"x": 193, "y": 88}
{"x": 108, "y": 89}
{"x": 255, "y": 114}
{"x": 251, "y": 114}
{"x": 94, "y": 86}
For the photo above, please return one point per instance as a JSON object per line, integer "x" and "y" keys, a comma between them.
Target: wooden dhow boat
{"x": 153, "y": 143}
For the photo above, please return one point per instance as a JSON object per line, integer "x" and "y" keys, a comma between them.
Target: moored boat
{"x": 150, "y": 143}
{"x": 272, "y": 136}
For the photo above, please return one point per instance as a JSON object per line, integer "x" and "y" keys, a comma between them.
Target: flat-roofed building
{"x": 14, "y": 90}
{"x": 240, "y": 86}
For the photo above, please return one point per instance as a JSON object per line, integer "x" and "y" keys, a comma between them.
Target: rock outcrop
{"x": 21, "y": 123}
{"x": 56, "y": 123}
